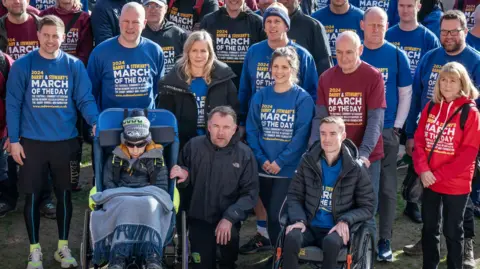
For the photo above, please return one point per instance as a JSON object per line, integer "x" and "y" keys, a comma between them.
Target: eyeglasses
{"x": 137, "y": 145}
{"x": 451, "y": 32}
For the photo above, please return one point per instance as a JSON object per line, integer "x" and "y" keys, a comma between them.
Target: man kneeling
{"x": 330, "y": 192}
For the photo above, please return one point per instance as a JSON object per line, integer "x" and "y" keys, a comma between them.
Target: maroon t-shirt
{"x": 350, "y": 96}
{"x": 22, "y": 38}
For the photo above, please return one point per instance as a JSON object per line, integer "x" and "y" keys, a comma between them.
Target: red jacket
{"x": 453, "y": 159}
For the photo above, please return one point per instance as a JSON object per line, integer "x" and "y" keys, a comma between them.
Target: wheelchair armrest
{"x": 284, "y": 220}
{"x": 355, "y": 227}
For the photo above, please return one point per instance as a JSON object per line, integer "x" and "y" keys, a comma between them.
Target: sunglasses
{"x": 137, "y": 145}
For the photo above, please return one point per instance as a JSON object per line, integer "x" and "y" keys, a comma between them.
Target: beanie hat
{"x": 276, "y": 11}
{"x": 136, "y": 127}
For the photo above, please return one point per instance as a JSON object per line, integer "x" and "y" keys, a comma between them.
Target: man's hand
{"x": 365, "y": 161}
{"x": 274, "y": 168}
{"x": 94, "y": 129}
{"x": 17, "y": 152}
{"x": 6, "y": 145}
{"x": 223, "y": 232}
{"x": 427, "y": 178}
{"x": 298, "y": 225}
{"x": 180, "y": 173}
{"x": 342, "y": 229}
{"x": 409, "y": 146}
{"x": 266, "y": 166}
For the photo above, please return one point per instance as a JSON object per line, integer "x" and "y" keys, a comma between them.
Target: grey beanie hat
{"x": 136, "y": 127}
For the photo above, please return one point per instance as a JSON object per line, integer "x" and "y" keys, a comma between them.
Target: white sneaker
{"x": 64, "y": 256}
{"x": 35, "y": 259}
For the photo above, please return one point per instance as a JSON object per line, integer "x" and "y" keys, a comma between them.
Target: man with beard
{"x": 453, "y": 32}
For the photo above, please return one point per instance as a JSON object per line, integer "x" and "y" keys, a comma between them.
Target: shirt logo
{"x": 236, "y": 165}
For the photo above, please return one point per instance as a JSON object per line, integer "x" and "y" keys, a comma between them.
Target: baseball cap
{"x": 158, "y": 2}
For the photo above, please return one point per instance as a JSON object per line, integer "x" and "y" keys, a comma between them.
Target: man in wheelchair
{"x": 136, "y": 215}
{"x": 330, "y": 192}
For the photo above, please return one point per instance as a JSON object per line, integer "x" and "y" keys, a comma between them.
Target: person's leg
{"x": 8, "y": 188}
{"x": 292, "y": 243}
{"x": 279, "y": 192}
{"x": 202, "y": 244}
{"x": 374, "y": 174}
{"x": 229, "y": 252}
{"x": 469, "y": 230}
{"x": 260, "y": 241}
{"x": 331, "y": 245}
{"x": 453, "y": 212}
{"x": 431, "y": 214}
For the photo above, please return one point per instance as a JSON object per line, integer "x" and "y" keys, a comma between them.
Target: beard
{"x": 456, "y": 46}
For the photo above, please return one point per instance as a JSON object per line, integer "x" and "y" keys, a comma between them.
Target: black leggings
{"x": 31, "y": 214}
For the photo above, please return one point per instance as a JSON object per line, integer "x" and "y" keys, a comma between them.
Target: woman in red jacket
{"x": 446, "y": 173}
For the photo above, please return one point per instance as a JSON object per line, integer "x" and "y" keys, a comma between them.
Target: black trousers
{"x": 204, "y": 246}
{"x": 452, "y": 207}
{"x": 313, "y": 236}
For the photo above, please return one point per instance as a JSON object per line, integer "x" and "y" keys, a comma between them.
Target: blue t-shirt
{"x": 199, "y": 88}
{"x": 43, "y": 96}
{"x": 321, "y": 4}
{"x": 126, "y": 77}
{"x": 44, "y": 4}
{"x": 473, "y": 41}
{"x": 415, "y": 43}
{"x": 427, "y": 74}
{"x": 324, "y": 216}
{"x": 395, "y": 69}
{"x": 256, "y": 72}
{"x": 278, "y": 127}
{"x": 432, "y": 21}
{"x": 390, "y": 6}
{"x": 335, "y": 24}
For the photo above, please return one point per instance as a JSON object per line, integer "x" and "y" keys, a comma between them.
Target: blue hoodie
{"x": 278, "y": 127}
{"x": 427, "y": 74}
{"x": 44, "y": 4}
{"x": 432, "y": 21}
{"x": 256, "y": 73}
{"x": 43, "y": 96}
{"x": 126, "y": 77}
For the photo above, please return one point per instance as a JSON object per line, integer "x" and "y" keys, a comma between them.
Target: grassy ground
{"x": 14, "y": 241}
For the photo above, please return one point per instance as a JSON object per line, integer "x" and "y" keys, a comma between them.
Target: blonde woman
{"x": 446, "y": 145}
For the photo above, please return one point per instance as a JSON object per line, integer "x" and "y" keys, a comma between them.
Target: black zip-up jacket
{"x": 224, "y": 181}
{"x": 175, "y": 95}
{"x": 352, "y": 198}
{"x": 310, "y": 34}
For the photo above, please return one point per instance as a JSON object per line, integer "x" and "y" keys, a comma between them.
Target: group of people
{"x": 252, "y": 92}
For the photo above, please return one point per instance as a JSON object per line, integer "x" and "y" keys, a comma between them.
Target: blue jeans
{"x": 374, "y": 174}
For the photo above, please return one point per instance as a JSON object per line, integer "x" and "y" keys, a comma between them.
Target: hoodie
{"x": 171, "y": 39}
{"x": 453, "y": 159}
{"x": 79, "y": 39}
{"x": 432, "y": 21}
{"x": 105, "y": 16}
{"x": 468, "y": 8}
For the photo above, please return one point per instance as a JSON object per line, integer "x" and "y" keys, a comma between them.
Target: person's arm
{"x": 253, "y": 129}
{"x": 244, "y": 91}
{"x": 101, "y": 25}
{"x": 161, "y": 70}
{"x": 320, "y": 112}
{"x": 321, "y": 53}
{"x": 296, "y": 196}
{"x": 364, "y": 200}
{"x": 16, "y": 87}
{"x": 108, "y": 182}
{"x": 232, "y": 97}
{"x": 85, "y": 42}
{"x": 248, "y": 193}
{"x": 165, "y": 99}
{"x": 309, "y": 76}
{"x": 404, "y": 89}
{"x": 419, "y": 155}
{"x": 83, "y": 95}
{"x": 184, "y": 162}
{"x": 416, "y": 103}
{"x": 94, "y": 69}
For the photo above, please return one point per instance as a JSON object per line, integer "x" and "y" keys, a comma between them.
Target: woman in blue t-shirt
{"x": 278, "y": 125}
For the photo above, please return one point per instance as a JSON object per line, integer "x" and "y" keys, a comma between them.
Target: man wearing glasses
{"x": 453, "y": 33}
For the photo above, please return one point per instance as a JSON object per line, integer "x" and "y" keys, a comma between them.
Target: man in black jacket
{"x": 330, "y": 192}
{"x": 223, "y": 175}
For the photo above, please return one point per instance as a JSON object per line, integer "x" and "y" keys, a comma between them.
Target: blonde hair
{"x": 456, "y": 70}
{"x": 76, "y": 4}
{"x": 184, "y": 61}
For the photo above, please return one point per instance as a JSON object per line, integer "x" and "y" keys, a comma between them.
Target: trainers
{"x": 118, "y": 262}
{"x": 5, "y": 208}
{"x": 35, "y": 259}
{"x": 384, "y": 251}
{"x": 64, "y": 256}
{"x": 468, "y": 257}
{"x": 258, "y": 243}
{"x": 414, "y": 250}
{"x": 154, "y": 262}
{"x": 48, "y": 210}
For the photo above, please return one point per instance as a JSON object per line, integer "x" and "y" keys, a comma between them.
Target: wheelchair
{"x": 164, "y": 130}
{"x": 357, "y": 254}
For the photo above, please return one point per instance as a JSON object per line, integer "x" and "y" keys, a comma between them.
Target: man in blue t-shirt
{"x": 393, "y": 64}
{"x": 338, "y": 17}
{"x": 124, "y": 70}
{"x": 453, "y": 32}
{"x": 328, "y": 225}
{"x": 473, "y": 37}
{"x": 47, "y": 87}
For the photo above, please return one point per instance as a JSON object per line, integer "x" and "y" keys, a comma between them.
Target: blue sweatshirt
{"x": 43, "y": 96}
{"x": 104, "y": 19}
{"x": 473, "y": 41}
{"x": 278, "y": 127}
{"x": 256, "y": 73}
{"x": 395, "y": 69}
{"x": 324, "y": 216}
{"x": 427, "y": 74}
{"x": 336, "y": 24}
{"x": 44, "y": 4}
{"x": 432, "y": 21}
{"x": 125, "y": 77}
{"x": 390, "y": 6}
{"x": 415, "y": 43}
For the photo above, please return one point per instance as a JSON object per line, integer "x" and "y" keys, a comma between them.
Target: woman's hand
{"x": 266, "y": 166}
{"x": 427, "y": 178}
{"x": 274, "y": 168}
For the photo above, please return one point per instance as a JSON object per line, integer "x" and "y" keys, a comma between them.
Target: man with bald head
{"x": 395, "y": 68}
{"x": 473, "y": 37}
{"x": 124, "y": 70}
{"x": 354, "y": 91}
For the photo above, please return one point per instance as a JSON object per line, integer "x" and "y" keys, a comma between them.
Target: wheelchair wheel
{"x": 368, "y": 255}
{"x": 184, "y": 241}
{"x": 85, "y": 248}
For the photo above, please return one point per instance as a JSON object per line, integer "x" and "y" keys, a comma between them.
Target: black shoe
{"x": 413, "y": 212}
{"x": 258, "y": 243}
{"x": 117, "y": 263}
{"x": 5, "y": 208}
{"x": 468, "y": 256}
{"x": 48, "y": 210}
{"x": 154, "y": 262}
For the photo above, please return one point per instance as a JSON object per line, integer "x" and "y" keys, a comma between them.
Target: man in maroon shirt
{"x": 354, "y": 91}
{"x": 30, "y": 9}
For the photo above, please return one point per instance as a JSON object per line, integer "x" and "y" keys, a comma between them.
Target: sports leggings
{"x": 31, "y": 213}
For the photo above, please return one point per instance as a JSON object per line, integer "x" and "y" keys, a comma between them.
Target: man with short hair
{"x": 165, "y": 33}
{"x": 453, "y": 32}
{"x": 39, "y": 96}
{"x": 263, "y": 5}
{"x": 125, "y": 70}
{"x": 328, "y": 225}
{"x": 223, "y": 174}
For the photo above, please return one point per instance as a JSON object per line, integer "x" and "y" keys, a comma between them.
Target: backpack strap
{"x": 154, "y": 169}
{"x": 72, "y": 22}
{"x": 430, "y": 106}
{"x": 116, "y": 168}
{"x": 198, "y": 6}
{"x": 464, "y": 115}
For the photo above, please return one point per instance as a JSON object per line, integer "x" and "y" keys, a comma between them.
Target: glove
{"x": 91, "y": 203}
